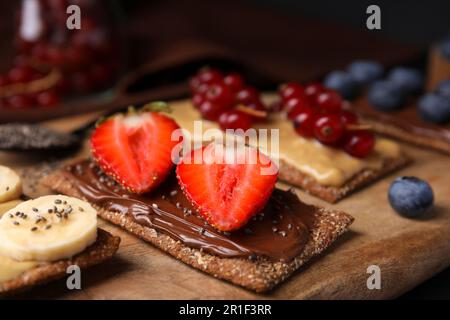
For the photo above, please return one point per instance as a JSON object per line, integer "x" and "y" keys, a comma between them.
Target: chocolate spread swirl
{"x": 279, "y": 232}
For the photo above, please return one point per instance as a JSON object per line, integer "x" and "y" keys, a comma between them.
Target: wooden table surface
{"x": 407, "y": 251}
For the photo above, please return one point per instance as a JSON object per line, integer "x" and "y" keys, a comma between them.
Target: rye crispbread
{"x": 259, "y": 275}
{"x": 104, "y": 248}
{"x": 333, "y": 194}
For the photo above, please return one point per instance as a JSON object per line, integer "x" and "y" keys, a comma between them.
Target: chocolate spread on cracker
{"x": 279, "y": 232}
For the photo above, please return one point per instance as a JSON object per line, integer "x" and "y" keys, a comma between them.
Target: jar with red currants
{"x": 72, "y": 46}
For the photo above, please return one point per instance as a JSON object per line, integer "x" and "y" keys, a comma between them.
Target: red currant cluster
{"x": 226, "y": 99}
{"x": 17, "y": 79}
{"x": 317, "y": 112}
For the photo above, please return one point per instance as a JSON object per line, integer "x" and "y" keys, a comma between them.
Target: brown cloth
{"x": 167, "y": 41}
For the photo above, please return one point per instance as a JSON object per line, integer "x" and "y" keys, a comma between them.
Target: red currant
{"x": 77, "y": 56}
{"x": 21, "y": 102}
{"x": 247, "y": 95}
{"x": 290, "y": 90}
{"x": 219, "y": 93}
{"x": 54, "y": 56}
{"x": 304, "y": 122}
{"x": 348, "y": 117}
{"x": 295, "y": 103}
{"x": 202, "y": 88}
{"x": 48, "y": 98}
{"x": 312, "y": 90}
{"x": 21, "y": 61}
{"x": 235, "y": 119}
{"x": 4, "y": 80}
{"x": 234, "y": 81}
{"x": 329, "y": 101}
{"x": 201, "y": 81}
{"x": 211, "y": 111}
{"x": 194, "y": 83}
{"x": 198, "y": 99}
{"x": 209, "y": 76}
{"x": 39, "y": 51}
{"x": 20, "y": 74}
{"x": 328, "y": 128}
{"x": 359, "y": 143}
{"x": 4, "y": 103}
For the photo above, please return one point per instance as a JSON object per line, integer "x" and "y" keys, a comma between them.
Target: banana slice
{"x": 4, "y": 207}
{"x": 10, "y": 185}
{"x": 48, "y": 228}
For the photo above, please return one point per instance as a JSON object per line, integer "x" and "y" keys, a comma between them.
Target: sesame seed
{"x": 11, "y": 215}
{"x": 16, "y": 223}
{"x": 282, "y": 233}
{"x": 274, "y": 229}
{"x": 7, "y": 188}
{"x": 81, "y": 209}
{"x": 35, "y": 209}
{"x": 48, "y": 227}
{"x": 173, "y": 192}
{"x": 154, "y": 205}
{"x": 34, "y": 229}
{"x": 58, "y": 201}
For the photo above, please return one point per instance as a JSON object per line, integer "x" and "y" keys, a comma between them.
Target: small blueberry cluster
{"x": 391, "y": 93}
{"x": 435, "y": 106}
{"x": 349, "y": 82}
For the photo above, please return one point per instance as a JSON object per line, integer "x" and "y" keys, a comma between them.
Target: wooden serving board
{"x": 407, "y": 251}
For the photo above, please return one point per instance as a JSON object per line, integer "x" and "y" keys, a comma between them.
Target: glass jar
{"x": 65, "y": 47}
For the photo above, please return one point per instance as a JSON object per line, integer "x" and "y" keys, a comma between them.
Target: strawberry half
{"x": 228, "y": 185}
{"x": 135, "y": 149}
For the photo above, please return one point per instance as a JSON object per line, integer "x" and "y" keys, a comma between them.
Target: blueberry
{"x": 343, "y": 83}
{"x": 443, "y": 88}
{"x": 445, "y": 48}
{"x": 410, "y": 196}
{"x": 407, "y": 79}
{"x": 365, "y": 71}
{"x": 385, "y": 96}
{"x": 435, "y": 108}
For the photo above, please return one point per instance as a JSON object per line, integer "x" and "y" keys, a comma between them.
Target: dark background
{"x": 416, "y": 22}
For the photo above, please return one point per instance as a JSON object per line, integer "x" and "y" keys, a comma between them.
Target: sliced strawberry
{"x": 135, "y": 149}
{"x": 228, "y": 185}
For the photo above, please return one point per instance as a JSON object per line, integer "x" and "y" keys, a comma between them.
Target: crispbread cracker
{"x": 259, "y": 275}
{"x": 333, "y": 194}
{"x": 103, "y": 248}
